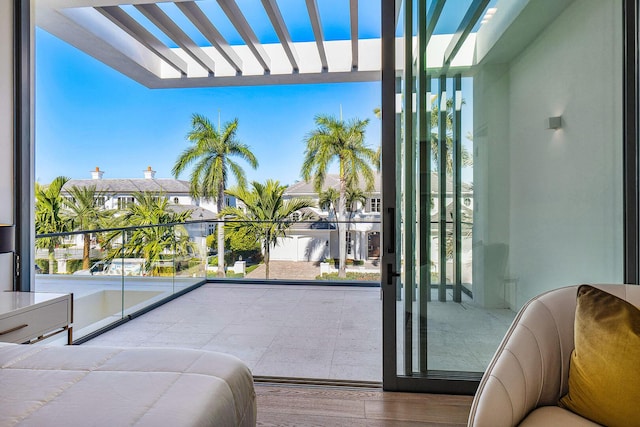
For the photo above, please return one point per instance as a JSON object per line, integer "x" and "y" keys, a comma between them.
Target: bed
{"x": 100, "y": 386}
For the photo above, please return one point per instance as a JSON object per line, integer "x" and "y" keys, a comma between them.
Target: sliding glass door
{"x": 502, "y": 164}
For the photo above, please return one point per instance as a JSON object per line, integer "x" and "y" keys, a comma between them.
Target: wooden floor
{"x": 284, "y": 405}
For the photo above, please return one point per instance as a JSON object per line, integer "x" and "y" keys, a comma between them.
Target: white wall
{"x": 293, "y": 247}
{"x": 6, "y": 132}
{"x": 563, "y": 206}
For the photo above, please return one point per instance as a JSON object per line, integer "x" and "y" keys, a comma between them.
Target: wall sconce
{"x": 7, "y": 238}
{"x": 554, "y": 122}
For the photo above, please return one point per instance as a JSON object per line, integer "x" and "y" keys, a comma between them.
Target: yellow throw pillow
{"x": 604, "y": 375}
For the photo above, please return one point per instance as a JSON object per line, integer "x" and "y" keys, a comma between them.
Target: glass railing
{"x": 117, "y": 272}
{"x": 114, "y": 273}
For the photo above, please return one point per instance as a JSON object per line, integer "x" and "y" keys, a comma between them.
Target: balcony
{"x": 297, "y": 324}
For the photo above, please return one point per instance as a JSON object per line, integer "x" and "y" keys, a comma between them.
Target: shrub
{"x": 351, "y": 276}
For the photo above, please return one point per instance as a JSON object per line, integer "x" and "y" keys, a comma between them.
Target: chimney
{"x": 97, "y": 174}
{"x": 149, "y": 174}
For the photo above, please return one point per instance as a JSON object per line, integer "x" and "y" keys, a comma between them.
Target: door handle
{"x": 391, "y": 247}
{"x": 391, "y": 274}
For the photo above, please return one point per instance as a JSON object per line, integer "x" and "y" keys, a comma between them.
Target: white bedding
{"x": 96, "y": 386}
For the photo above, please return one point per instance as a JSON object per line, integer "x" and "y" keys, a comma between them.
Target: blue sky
{"x": 89, "y": 115}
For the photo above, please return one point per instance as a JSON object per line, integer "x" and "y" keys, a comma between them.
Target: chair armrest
{"x": 531, "y": 366}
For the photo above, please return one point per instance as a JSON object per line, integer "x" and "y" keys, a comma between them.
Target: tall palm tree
{"x": 151, "y": 208}
{"x": 211, "y": 154}
{"x": 86, "y": 210}
{"x": 343, "y": 141}
{"x": 50, "y": 216}
{"x": 466, "y": 158}
{"x": 266, "y": 215}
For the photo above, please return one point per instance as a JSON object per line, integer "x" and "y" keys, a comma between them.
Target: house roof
{"x": 305, "y": 188}
{"x": 467, "y": 214}
{"x": 197, "y": 214}
{"x": 132, "y": 185}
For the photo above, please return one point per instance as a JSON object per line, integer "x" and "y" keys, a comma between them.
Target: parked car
{"x": 116, "y": 267}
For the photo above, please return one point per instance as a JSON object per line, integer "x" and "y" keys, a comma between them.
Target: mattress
{"x": 100, "y": 386}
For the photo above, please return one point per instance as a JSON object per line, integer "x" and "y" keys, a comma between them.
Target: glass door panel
{"x": 489, "y": 205}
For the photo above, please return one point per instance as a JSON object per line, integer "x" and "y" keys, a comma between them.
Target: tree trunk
{"x": 220, "y": 227}
{"x": 86, "y": 251}
{"x": 52, "y": 260}
{"x": 267, "y": 256}
{"x": 342, "y": 232}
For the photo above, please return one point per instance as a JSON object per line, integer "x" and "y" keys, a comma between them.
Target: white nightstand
{"x": 27, "y": 317}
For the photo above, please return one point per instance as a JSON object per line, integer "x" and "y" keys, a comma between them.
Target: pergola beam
{"x": 353, "y": 11}
{"x": 436, "y": 10}
{"x": 205, "y": 26}
{"x": 273, "y": 11}
{"x": 175, "y": 33}
{"x": 398, "y": 7}
{"x": 238, "y": 20}
{"x": 314, "y": 16}
{"x": 144, "y": 37}
{"x": 468, "y": 22}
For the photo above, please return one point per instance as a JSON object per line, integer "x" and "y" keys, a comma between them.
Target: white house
{"x": 118, "y": 193}
{"x": 317, "y": 238}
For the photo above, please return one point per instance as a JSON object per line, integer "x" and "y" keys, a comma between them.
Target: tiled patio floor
{"x": 329, "y": 332}
{"x": 294, "y": 331}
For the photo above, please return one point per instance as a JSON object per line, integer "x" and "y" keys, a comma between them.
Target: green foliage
{"x": 466, "y": 158}
{"x": 266, "y": 215}
{"x": 348, "y": 261}
{"x": 340, "y": 140}
{"x": 152, "y": 243}
{"x": 212, "y": 241}
{"x": 86, "y": 211}
{"x": 50, "y": 216}
{"x": 44, "y": 265}
{"x": 210, "y": 154}
{"x": 332, "y": 140}
{"x": 354, "y": 276}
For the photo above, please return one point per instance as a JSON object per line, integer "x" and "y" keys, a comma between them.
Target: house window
{"x": 125, "y": 202}
{"x": 99, "y": 201}
{"x": 176, "y": 200}
{"x": 374, "y": 205}
{"x": 349, "y": 243}
{"x": 295, "y": 216}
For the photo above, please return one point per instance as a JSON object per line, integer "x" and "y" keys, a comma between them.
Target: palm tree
{"x": 49, "y": 216}
{"x": 328, "y": 199}
{"x": 266, "y": 215}
{"x": 355, "y": 196}
{"x": 211, "y": 153}
{"x": 332, "y": 140}
{"x": 146, "y": 242}
{"x": 466, "y": 158}
{"x": 86, "y": 210}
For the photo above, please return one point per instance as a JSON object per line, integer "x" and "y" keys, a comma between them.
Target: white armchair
{"x": 529, "y": 372}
